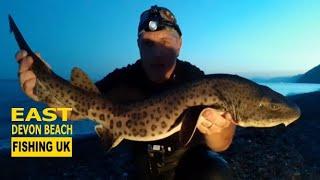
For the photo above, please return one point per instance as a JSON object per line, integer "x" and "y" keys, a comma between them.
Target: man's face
{"x": 159, "y": 51}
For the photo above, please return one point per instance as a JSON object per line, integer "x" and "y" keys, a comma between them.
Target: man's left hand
{"x": 212, "y": 121}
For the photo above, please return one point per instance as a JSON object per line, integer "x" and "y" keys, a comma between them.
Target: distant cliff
{"x": 312, "y": 76}
{"x": 289, "y": 79}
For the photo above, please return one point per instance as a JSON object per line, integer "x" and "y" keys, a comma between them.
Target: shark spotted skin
{"x": 250, "y": 104}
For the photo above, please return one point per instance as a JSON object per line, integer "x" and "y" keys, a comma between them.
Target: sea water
{"x": 292, "y": 88}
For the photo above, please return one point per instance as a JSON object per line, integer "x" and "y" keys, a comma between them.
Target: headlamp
{"x": 153, "y": 25}
{"x": 157, "y": 18}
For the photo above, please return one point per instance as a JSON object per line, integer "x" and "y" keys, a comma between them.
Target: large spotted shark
{"x": 157, "y": 117}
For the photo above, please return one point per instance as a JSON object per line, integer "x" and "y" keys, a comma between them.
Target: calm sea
{"x": 293, "y": 88}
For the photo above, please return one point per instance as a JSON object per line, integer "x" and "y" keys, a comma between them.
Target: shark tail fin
{"x": 17, "y": 34}
{"x": 22, "y": 43}
{"x": 108, "y": 139}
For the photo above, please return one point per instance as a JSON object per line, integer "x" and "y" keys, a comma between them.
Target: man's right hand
{"x": 28, "y": 79}
{"x": 26, "y": 76}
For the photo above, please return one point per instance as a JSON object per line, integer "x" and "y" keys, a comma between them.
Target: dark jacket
{"x": 131, "y": 84}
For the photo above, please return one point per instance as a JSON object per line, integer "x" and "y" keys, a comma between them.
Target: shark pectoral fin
{"x": 117, "y": 141}
{"x": 189, "y": 122}
{"x": 107, "y": 138}
{"x": 81, "y": 80}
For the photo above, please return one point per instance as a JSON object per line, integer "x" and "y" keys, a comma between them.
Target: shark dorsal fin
{"x": 81, "y": 80}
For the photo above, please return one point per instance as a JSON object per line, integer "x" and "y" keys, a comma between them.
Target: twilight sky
{"x": 245, "y": 37}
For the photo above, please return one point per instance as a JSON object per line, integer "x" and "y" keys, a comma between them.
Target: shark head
{"x": 267, "y": 108}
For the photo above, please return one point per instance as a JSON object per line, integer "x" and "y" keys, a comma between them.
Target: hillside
{"x": 312, "y": 76}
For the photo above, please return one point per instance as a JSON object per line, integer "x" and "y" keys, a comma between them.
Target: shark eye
{"x": 274, "y": 106}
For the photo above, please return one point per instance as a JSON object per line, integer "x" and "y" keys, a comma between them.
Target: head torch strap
{"x": 154, "y": 25}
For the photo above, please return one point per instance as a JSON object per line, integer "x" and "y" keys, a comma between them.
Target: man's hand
{"x": 26, "y": 76}
{"x": 211, "y": 121}
{"x": 28, "y": 79}
{"x": 218, "y": 128}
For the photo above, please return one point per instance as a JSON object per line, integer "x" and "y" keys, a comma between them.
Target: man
{"x": 159, "y": 42}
